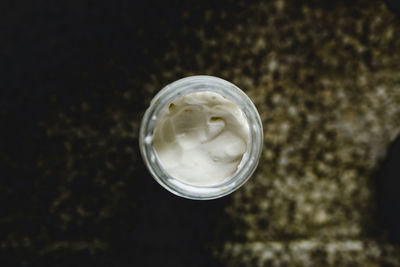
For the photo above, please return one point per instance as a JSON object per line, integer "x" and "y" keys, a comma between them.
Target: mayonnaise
{"x": 201, "y": 138}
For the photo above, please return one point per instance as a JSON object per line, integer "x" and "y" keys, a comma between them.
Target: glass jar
{"x": 178, "y": 89}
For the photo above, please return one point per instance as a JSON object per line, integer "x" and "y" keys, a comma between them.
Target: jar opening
{"x": 167, "y": 102}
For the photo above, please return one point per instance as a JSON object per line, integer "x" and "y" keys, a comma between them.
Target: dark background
{"x": 75, "y": 192}
{"x": 76, "y": 79}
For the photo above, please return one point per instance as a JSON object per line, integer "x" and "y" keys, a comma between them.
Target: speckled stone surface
{"x": 328, "y": 95}
{"x": 325, "y": 78}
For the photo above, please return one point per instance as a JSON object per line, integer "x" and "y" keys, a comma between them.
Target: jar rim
{"x": 178, "y": 89}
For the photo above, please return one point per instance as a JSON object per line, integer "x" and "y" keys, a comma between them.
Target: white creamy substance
{"x": 201, "y": 138}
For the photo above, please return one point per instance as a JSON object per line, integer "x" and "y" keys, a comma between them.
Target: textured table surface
{"x": 325, "y": 78}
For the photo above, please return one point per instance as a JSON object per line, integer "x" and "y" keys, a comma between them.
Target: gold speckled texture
{"x": 326, "y": 81}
